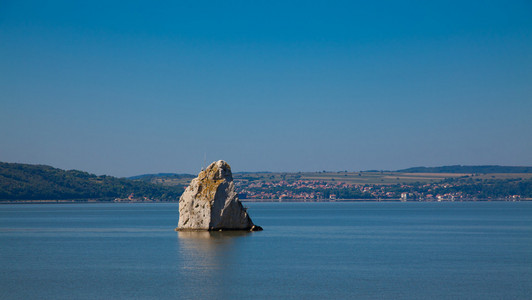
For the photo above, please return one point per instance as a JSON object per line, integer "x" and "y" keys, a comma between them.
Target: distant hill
{"x": 40, "y": 182}
{"x": 468, "y": 169}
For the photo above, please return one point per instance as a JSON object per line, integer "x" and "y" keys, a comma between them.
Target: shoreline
{"x": 96, "y": 201}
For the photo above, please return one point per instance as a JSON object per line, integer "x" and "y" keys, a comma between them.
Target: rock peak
{"x": 217, "y": 170}
{"x": 210, "y": 202}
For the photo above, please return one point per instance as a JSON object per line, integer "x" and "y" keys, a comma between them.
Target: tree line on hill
{"x": 40, "y": 182}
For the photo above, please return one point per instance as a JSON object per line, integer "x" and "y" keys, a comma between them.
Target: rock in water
{"x": 211, "y": 203}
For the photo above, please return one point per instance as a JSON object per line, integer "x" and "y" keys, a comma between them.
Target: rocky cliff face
{"x": 211, "y": 203}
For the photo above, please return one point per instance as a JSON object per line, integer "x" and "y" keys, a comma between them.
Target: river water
{"x": 306, "y": 251}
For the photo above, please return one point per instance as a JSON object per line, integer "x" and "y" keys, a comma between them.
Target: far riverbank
{"x": 80, "y": 201}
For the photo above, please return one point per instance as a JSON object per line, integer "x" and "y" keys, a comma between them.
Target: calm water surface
{"x": 307, "y": 251}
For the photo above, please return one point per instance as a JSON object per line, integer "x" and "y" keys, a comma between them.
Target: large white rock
{"x": 211, "y": 203}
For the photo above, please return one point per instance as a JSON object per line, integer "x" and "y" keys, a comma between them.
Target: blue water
{"x": 306, "y": 251}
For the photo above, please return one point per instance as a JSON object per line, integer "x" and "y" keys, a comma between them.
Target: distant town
{"x": 447, "y": 183}
{"x": 316, "y": 190}
{"x": 408, "y": 185}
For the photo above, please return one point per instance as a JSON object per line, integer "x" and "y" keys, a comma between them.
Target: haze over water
{"x": 307, "y": 251}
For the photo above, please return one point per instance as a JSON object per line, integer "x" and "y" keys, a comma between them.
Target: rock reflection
{"x": 208, "y": 260}
{"x": 215, "y": 235}
{"x": 208, "y": 249}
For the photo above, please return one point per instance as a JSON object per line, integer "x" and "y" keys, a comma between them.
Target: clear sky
{"x": 131, "y": 87}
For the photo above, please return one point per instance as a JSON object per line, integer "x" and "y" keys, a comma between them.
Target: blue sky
{"x": 129, "y": 88}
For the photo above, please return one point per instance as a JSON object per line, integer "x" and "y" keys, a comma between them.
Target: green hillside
{"x": 40, "y": 182}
